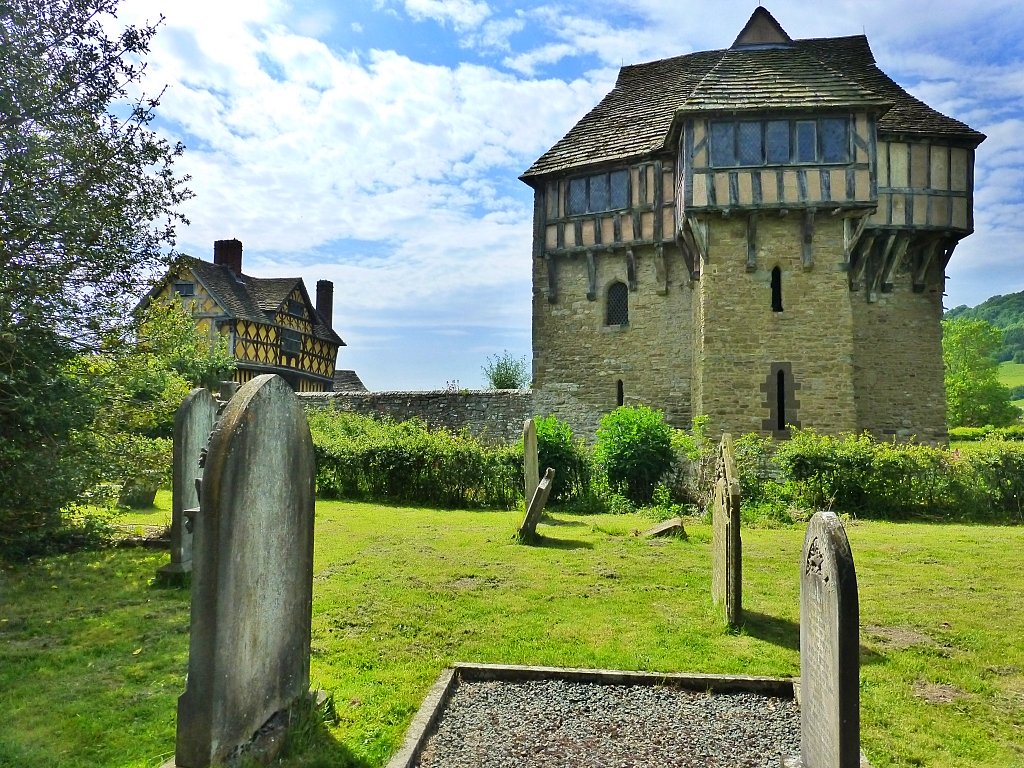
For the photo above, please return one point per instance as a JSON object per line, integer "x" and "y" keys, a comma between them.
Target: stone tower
{"x": 757, "y": 235}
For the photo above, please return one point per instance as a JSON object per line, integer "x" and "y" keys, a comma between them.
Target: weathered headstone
{"x": 193, "y": 423}
{"x": 252, "y": 581}
{"x": 531, "y": 461}
{"x": 829, "y": 649}
{"x": 671, "y": 527}
{"x": 726, "y": 547}
{"x": 528, "y": 529}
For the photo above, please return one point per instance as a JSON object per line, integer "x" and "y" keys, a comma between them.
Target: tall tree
{"x": 88, "y": 208}
{"x": 974, "y": 395}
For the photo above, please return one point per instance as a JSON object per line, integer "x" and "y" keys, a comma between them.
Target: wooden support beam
{"x": 684, "y": 239}
{"x": 752, "y": 242}
{"x": 860, "y": 258}
{"x": 852, "y": 232}
{"x": 949, "y": 253}
{"x": 631, "y": 269}
{"x": 539, "y": 222}
{"x": 929, "y": 253}
{"x": 700, "y": 236}
{"x": 591, "y": 277}
{"x": 552, "y": 278}
{"x": 807, "y": 246}
{"x": 895, "y": 259}
{"x": 660, "y": 271}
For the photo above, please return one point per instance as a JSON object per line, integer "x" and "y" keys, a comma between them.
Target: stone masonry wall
{"x": 494, "y": 416}
{"x": 745, "y": 341}
{"x": 579, "y": 360}
{"x": 898, "y": 362}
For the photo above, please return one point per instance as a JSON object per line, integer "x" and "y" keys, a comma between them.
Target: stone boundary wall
{"x": 491, "y": 415}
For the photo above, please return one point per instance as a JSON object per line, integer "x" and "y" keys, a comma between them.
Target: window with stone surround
{"x": 620, "y": 394}
{"x": 779, "y": 391}
{"x": 617, "y": 307}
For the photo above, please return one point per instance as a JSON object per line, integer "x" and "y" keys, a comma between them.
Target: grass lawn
{"x": 93, "y": 656}
{"x": 1012, "y": 375}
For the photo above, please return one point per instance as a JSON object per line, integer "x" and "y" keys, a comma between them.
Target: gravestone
{"x": 528, "y": 530}
{"x": 829, "y": 649}
{"x": 193, "y": 423}
{"x": 726, "y": 547}
{"x": 252, "y": 580}
{"x": 531, "y": 462}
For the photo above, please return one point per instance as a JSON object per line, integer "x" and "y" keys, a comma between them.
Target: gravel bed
{"x": 583, "y": 725}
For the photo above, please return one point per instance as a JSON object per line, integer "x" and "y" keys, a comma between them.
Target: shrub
{"x": 634, "y": 448}
{"x": 506, "y": 372}
{"x": 359, "y": 457}
{"x": 558, "y": 448}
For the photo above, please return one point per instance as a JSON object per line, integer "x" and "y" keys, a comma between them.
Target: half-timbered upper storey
{"x": 770, "y": 124}
{"x": 270, "y": 324}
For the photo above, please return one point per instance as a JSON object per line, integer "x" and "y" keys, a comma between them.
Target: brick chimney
{"x": 228, "y": 253}
{"x": 325, "y": 301}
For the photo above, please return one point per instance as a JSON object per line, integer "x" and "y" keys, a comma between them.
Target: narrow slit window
{"x": 780, "y": 400}
{"x": 620, "y": 397}
{"x": 776, "y": 290}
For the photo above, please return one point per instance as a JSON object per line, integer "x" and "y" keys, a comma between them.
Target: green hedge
{"x": 359, "y": 457}
{"x": 860, "y": 476}
{"x": 972, "y": 434}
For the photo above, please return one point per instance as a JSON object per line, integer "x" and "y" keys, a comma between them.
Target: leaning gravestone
{"x": 726, "y": 547}
{"x": 252, "y": 581}
{"x": 193, "y": 423}
{"x": 528, "y": 530}
{"x": 531, "y": 461}
{"x": 829, "y": 649}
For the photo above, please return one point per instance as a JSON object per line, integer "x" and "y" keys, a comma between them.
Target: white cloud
{"x": 462, "y": 14}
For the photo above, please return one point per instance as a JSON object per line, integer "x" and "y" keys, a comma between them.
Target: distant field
{"x": 1012, "y": 375}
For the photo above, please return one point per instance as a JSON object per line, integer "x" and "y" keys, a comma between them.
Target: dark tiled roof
{"x": 254, "y": 298}
{"x": 348, "y": 381}
{"x": 635, "y": 118}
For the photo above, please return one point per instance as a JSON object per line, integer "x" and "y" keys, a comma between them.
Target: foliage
{"x": 570, "y": 458}
{"x": 1004, "y": 312}
{"x": 359, "y": 457}
{"x": 972, "y": 434}
{"x": 87, "y": 211}
{"x": 974, "y": 395}
{"x": 857, "y": 475}
{"x": 634, "y": 449}
{"x": 505, "y": 371}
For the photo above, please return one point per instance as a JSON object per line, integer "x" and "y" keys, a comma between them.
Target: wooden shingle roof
{"x": 636, "y": 118}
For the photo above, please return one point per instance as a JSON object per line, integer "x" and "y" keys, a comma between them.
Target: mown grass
{"x": 93, "y": 656}
{"x": 1012, "y": 375}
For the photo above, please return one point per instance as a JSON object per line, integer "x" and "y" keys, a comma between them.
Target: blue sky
{"x": 378, "y": 143}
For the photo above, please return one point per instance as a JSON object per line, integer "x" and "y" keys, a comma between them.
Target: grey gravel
{"x": 579, "y": 725}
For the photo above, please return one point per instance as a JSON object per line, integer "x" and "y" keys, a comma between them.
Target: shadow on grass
{"x": 781, "y": 632}
{"x": 310, "y": 744}
{"x": 538, "y": 540}
{"x": 562, "y": 523}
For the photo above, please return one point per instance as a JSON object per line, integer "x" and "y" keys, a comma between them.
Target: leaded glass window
{"x": 723, "y": 144}
{"x": 291, "y": 342}
{"x": 751, "y": 146}
{"x": 806, "y": 141}
{"x": 835, "y": 145}
{"x": 185, "y": 289}
{"x": 617, "y": 310}
{"x": 597, "y": 193}
{"x": 776, "y": 141}
{"x": 619, "y": 182}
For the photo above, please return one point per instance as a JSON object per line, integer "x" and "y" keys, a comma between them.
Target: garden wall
{"x": 492, "y": 416}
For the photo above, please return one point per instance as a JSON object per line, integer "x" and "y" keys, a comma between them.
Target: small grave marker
{"x": 528, "y": 530}
{"x": 252, "y": 580}
{"x": 726, "y": 547}
{"x": 829, "y": 649}
{"x": 531, "y": 461}
{"x": 193, "y": 423}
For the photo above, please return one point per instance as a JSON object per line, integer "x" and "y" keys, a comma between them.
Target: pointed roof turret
{"x": 762, "y": 29}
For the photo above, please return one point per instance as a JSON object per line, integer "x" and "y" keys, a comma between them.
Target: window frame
{"x": 726, "y": 149}
{"x": 621, "y": 295}
{"x": 291, "y": 338}
{"x": 599, "y": 185}
{"x": 179, "y": 285}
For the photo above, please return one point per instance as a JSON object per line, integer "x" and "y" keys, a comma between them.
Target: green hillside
{"x": 1005, "y": 312}
{"x": 1012, "y": 375}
